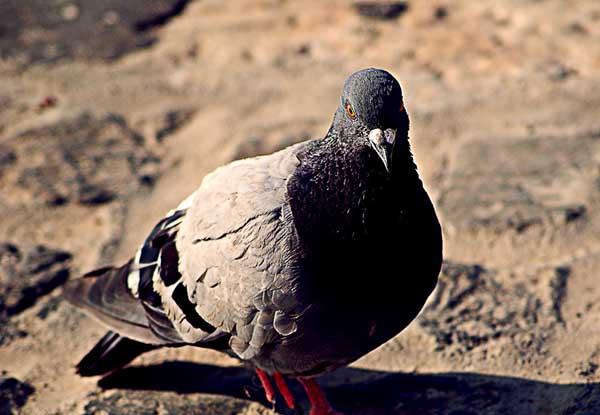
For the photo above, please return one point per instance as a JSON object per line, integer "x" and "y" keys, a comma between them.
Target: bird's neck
{"x": 341, "y": 194}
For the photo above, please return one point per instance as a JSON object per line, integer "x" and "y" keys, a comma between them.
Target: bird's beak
{"x": 383, "y": 144}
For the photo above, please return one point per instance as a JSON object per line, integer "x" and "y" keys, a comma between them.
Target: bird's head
{"x": 372, "y": 109}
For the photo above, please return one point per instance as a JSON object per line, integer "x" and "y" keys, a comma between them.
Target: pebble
{"x": 70, "y": 12}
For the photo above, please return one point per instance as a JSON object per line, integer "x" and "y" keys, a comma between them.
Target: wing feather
{"x": 219, "y": 269}
{"x": 236, "y": 246}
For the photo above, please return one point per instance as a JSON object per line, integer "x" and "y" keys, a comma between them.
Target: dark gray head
{"x": 373, "y": 110}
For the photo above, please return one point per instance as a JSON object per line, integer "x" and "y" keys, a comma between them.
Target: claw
{"x": 319, "y": 405}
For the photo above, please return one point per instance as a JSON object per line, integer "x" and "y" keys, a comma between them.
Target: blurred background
{"x": 111, "y": 112}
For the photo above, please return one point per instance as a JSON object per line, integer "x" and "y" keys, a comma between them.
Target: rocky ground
{"x": 111, "y": 112}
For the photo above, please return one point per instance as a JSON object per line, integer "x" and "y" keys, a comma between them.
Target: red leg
{"x": 319, "y": 405}
{"x": 287, "y": 394}
{"x": 266, "y": 384}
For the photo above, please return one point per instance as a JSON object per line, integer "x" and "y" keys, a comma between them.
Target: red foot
{"x": 282, "y": 385}
{"x": 266, "y": 384}
{"x": 319, "y": 405}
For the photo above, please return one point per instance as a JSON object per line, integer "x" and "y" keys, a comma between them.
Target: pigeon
{"x": 297, "y": 263}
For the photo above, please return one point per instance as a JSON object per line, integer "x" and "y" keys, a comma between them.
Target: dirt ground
{"x": 111, "y": 112}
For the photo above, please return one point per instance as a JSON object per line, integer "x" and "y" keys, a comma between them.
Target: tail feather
{"x": 124, "y": 298}
{"x": 110, "y": 353}
{"x": 104, "y": 295}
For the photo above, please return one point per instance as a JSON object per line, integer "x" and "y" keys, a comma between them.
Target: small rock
{"x": 382, "y": 10}
{"x": 51, "y": 52}
{"x": 588, "y": 369}
{"x": 40, "y": 259}
{"x": 7, "y": 157}
{"x": 9, "y": 331}
{"x": 577, "y": 28}
{"x": 70, "y": 12}
{"x": 558, "y": 286}
{"x": 573, "y": 213}
{"x": 48, "y": 101}
{"x": 173, "y": 121}
{"x": 110, "y": 18}
{"x": 559, "y": 72}
{"x": 303, "y": 49}
{"x": 27, "y": 274}
{"x": 247, "y": 55}
{"x": 440, "y": 13}
{"x": 90, "y": 194}
{"x": 148, "y": 175}
{"x": 292, "y": 21}
{"x": 49, "y": 307}
{"x": 5, "y": 101}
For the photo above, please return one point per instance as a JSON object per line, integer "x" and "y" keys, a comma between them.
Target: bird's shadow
{"x": 369, "y": 392}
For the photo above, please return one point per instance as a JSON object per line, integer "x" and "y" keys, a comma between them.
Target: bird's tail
{"x": 104, "y": 294}
{"x": 110, "y": 353}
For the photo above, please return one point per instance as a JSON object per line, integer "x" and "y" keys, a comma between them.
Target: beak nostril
{"x": 383, "y": 144}
{"x": 376, "y": 136}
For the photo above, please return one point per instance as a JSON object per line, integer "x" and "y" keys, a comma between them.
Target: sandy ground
{"x": 110, "y": 114}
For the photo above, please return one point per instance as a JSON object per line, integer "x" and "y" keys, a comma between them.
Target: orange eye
{"x": 350, "y": 111}
{"x": 401, "y": 106}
